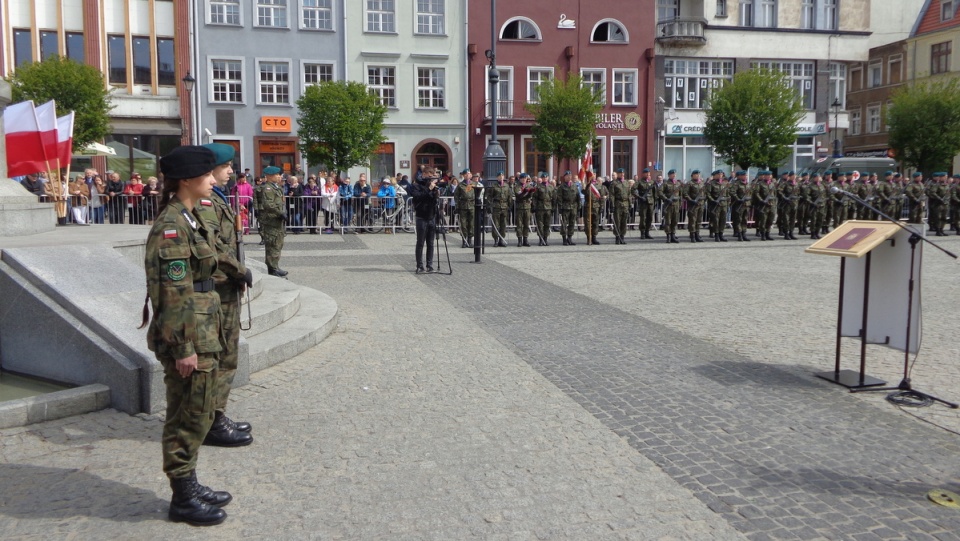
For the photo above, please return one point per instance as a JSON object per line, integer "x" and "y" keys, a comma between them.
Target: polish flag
{"x": 24, "y": 146}
{"x": 65, "y": 138}
{"x": 47, "y": 122}
{"x": 586, "y": 164}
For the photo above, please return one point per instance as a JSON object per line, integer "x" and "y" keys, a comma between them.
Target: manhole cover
{"x": 944, "y": 498}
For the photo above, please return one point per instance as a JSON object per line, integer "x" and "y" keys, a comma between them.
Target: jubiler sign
{"x": 618, "y": 121}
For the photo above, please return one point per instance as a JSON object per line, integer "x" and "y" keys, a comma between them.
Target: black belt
{"x": 203, "y": 286}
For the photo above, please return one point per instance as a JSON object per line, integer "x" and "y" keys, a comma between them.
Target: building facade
{"x": 701, "y": 44}
{"x": 609, "y": 46}
{"x": 255, "y": 58}
{"x": 870, "y": 87}
{"x": 413, "y": 56}
{"x": 142, "y": 48}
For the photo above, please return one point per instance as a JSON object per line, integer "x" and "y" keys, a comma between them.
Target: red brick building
{"x": 608, "y": 45}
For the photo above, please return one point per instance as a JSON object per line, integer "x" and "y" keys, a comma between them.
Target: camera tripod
{"x": 440, "y": 224}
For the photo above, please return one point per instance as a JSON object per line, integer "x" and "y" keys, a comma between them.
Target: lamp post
{"x": 836, "y": 120}
{"x": 188, "y": 83}
{"x": 494, "y": 160}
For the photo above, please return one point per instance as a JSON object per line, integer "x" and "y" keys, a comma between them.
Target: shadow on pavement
{"x": 31, "y": 492}
{"x": 745, "y": 372}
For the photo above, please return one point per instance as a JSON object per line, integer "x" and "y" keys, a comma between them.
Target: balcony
{"x": 681, "y": 32}
{"x": 508, "y": 110}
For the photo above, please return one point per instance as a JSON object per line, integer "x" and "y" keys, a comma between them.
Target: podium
{"x": 879, "y": 269}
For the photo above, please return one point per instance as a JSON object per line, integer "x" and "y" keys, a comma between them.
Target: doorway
{"x": 433, "y": 155}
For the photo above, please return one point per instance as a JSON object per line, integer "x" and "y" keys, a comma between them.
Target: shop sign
{"x": 618, "y": 121}
{"x": 275, "y": 124}
{"x": 278, "y": 147}
{"x": 682, "y": 128}
{"x": 880, "y": 153}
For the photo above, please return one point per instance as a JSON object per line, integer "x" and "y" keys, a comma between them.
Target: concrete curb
{"x": 56, "y": 405}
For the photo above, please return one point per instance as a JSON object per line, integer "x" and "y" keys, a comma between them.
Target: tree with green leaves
{"x": 924, "y": 122}
{"x": 565, "y": 116}
{"x": 341, "y": 124}
{"x": 752, "y": 120}
{"x": 75, "y": 87}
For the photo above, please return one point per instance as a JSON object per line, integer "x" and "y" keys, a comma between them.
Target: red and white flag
{"x": 24, "y": 146}
{"x": 586, "y": 164}
{"x": 47, "y": 122}
{"x": 65, "y": 138}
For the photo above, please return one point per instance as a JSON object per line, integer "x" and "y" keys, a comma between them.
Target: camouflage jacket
{"x": 670, "y": 193}
{"x": 568, "y": 197}
{"x": 646, "y": 192}
{"x": 693, "y": 194}
{"x": 464, "y": 196}
{"x": 938, "y": 194}
{"x": 791, "y": 194}
{"x": 915, "y": 193}
{"x": 544, "y": 197}
{"x": 716, "y": 193}
{"x": 271, "y": 201}
{"x": 739, "y": 193}
{"x": 620, "y": 193}
{"x": 763, "y": 195}
{"x": 817, "y": 195}
{"x": 592, "y": 200}
{"x": 498, "y": 197}
{"x": 222, "y": 221}
{"x": 180, "y": 251}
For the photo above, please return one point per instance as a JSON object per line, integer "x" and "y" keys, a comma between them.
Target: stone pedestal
{"x": 20, "y": 212}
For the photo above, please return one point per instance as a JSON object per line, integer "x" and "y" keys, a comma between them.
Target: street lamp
{"x": 188, "y": 83}
{"x": 494, "y": 160}
{"x": 836, "y": 121}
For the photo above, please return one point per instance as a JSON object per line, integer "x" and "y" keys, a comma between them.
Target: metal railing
{"x": 508, "y": 110}
{"x": 682, "y": 31}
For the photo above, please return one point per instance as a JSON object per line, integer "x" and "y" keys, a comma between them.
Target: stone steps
{"x": 314, "y": 320}
{"x": 276, "y": 302}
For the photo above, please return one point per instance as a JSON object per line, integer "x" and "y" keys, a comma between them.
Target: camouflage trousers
{"x": 568, "y": 222}
{"x": 839, "y": 214}
{"x": 937, "y": 216}
{"x": 718, "y": 219}
{"x": 272, "y": 235}
{"x": 670, "y": 217}
{"x": 645, "y": 218}
{"x": 620, "y": 212}
{"x": 763, "y": 218}
{"x": 467, "y": 223}
{"x": 499, "y": 219}
{"x": 190, "y": 407}
{"x": 544, "y": 218}
{"x": 230, "y": 330}
{"x": 592, "y": 222}
{"x": 789, "y": 214}
{"x": 738, "y": 218}
{"x": 817, "y": 218}
{"x": 694, "y": 217}
{"x": 523, "y": 222}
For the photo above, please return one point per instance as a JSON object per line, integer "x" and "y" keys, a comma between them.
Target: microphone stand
{"x": 904, "y": 391}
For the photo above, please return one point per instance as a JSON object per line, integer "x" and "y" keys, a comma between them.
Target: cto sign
{"x": 275, "y": 124}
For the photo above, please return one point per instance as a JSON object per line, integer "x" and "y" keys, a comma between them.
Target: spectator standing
{"x": 346, "y": 202}
{"x": 243, "y": 192}
{"x": 151, "y": 199}
{"x": 388, "y": 198}
{"x": 115, "y": 203}
{"x": 294, "y": 204}
{"x": 97, "y": 199}
{"x": 79, "y": 198}
{"x": 329, "y": 203}
{"x": 361, "y": 196}
{"x": 34, "y": 184}
{"x": 311, "y": 195}
{"x": 134, "y": 194}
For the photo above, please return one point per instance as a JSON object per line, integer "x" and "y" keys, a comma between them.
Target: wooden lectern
{"x": 876, "y": 303}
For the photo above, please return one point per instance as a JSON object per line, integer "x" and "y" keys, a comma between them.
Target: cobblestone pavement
{"x": 412, "y": 421}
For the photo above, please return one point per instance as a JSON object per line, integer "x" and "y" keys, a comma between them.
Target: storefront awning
{"x": 146, "y": 126}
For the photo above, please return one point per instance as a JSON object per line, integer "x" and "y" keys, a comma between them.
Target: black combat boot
{"x": 222, "y": 434}
{"x": 216, "y": 498}
{"x": 716, "y": 237}
{"x": 469, "y": 242}
{"x": 743, "y": 236}
{"x": 570, "y": 241}
{"x": 276, "y": 272}
{"x": 186, "y": 505}
{"x": 693, "y": 238}
{"x": 464, "y": 243}
{"x": 674, "y": 239}
{"x": 565, "y": 241}
{"x": 545, "y": 243}
{"x": 519, "y": 242}
{"x": 699, "y": 238}
{"x": 824, "y": 230}
{"x": 242, "y": 426}
{"x": 722, "y": 239}
{"x": 526, "y": 242}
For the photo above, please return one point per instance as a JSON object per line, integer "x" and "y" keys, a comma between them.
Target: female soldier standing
{"x": 185, "y": 331}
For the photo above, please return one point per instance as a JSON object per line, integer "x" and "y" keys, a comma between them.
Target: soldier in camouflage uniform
{"x": 885, "y": 195}
{"x": 915, "y": 199}
{"x": 594, "y": 194}
{"x": 739, "y": 193}
{"x": 789, "y": 193}
{"x": 230, "y": 279}
{"x": 817, "y": 197}
{"x": 620, "y": 195}
{"x": 464, "y": 199}
{"x": 764, "y": 203}
{"x": 498, "y": 197}
{"x": 646, "y": 193}
{"x": 938, "y": 195}
{"x": 693, "y": 195}
{"x": 716, "y": 192}
{"x": 955, "y": 204}
{"x": 568, "y": 199}
{"x": 543, "y": 200}
{"x": 864, "y": 190}
{"x": 839, "y": 201}
{"x": 185, "y": 331}
{"x": 670, "y": 196}
{"x": 525, "y": 188}
{"x": 273, "y": 214}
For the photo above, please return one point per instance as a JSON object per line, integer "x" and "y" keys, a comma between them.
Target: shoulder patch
{"x": 170, "y": 234}
{"x": 206, "y": 202}
{"x": 177, "y": 270}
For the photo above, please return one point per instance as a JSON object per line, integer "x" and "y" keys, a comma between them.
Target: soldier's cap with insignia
{"x": 815, "y": 175}
{"x": 646, "y": 169}
{"x": 765, "y": 172}
{"x": 223, "y": 154}
{"x": 917, "y": 174}
{"x": 272, "y": 170}
{"x": 956, "y": 175}
{"x": 524, "y": 175}
{"x": 897, "y": 175}
{"x": 672, "y": 172}
{"x": 187, "y": 161}
{"x": 887, "y": 173}
{"x": 790, "y": 173}
{"x": 464, "y": 172}
{"x": 695, "y": 172}
{"x": 542, "y": 174}
{"x": 741, "y": 172}
{"x": 499, "y": 173}
{"x": 567, "y": 173}
{"x": 620, "y": 170}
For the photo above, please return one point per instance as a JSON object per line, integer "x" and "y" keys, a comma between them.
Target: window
{"x": 856, "y": 78}
{"x": 274, "y": 82}
{"x": 947, "y": 9}
{"x": 594, "y": 78}
{"x": 829, "y": 19}
{"x": 623, "y": 155}
{"x": 117, "y": 58}
{"x": 873, "y": 119}
{"x": 381, "y": 16}
{"x": 225, "y": 12}
{"x": 75, "y": 46}
{"x": 430, "y": 17}
{"x": 22, "y": 47}
{"x": 808, "y": 14}
{"x": 689, "y": 82}
{"x": 533, "y": 160}
{"x": 382, "y": 82}
{"x": 166, "y": 63}
{"x": 668, "y": 9}
{"x": 838, "y": 84}
{"x": 505, "y": 107}
{"x": 721, "y": 8}
{"x": 818, "y": 14}
{"x": 758, "y": 13}
{"x": 800, "y": 75}
{"x": 316, "y": 15}
{"x": 599, "y": 156}
{"x": 535, "y": 78}
{"x": 520, "y": 28}
{"x": 383, "y": 162}
{"x": 886, "y": 116}
{"x": 430, "y": 87}
{"x": 875, "y": 73}
{"x": 895, "y": 69}
{"x": 609, "y": 31}
{"x": 314, "y": 74}
{"x": 48, "y": 44}
{"x": 855, "y": 122}
{"x": 624, "y": 87}
{"x": 272, "y": 13}
{"x": 940, "y": 57}
{"x": 227, "y": 79}
{"x": 141, "y": 60}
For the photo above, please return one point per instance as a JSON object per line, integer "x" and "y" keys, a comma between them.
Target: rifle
{"x": 240, "y": 258}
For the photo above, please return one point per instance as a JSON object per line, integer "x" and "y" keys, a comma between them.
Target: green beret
{"x": 464, "y": 172}
{"x": 223, "y": 154}
{"x": 695, "y": 172}
{"x": 815, "y": 175}
{"x": 672, "y": 172}
{"x": 956, "y": 175}
{"x": 620, "y": 170}
{"x": 741, "y": 172}
{"x": 187, "y": 161}
{"x": 524, "y": 175}
{"x": 499, "y": 173}
{"x": 542, "y": 174}
{"x": 790, "y": 173}
{"x": 896, "y": 175}
{"x": 272, "y": 170}
{"x": 917, "y": 174}
{"x": 646, "y": 169}
{"x": 887, "y": 173}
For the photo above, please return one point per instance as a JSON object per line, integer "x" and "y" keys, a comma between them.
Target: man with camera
{"x": 425, "y": 194}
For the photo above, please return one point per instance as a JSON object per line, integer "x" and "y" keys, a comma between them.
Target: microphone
{"x": 834, "y": 189}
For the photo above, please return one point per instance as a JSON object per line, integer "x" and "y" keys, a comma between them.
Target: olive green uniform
{"x": 524, "y": 201}
{"x": 543, "y": 200}
{"x": 817, "y": 197}
{"x": 864, "y": 190}
{"x": 498, "y": 198}
{"x": 646, "y": 194}
{"x": 180, "y": 261}
{"x": 693, "y": 195}
{"x": 840, "y": 204}
{"x": 955, "y": 206}
{"x": 739, "y": 193}
{"x": 670, "y": 196}
{"x": 272, "y": 214}
{"x": 464, "y": 198}
{"x": 938, "y": 195}
{"x": 790, "y": 198}
{"x": 568, "y": 199}
{"x": 716, "y": 192}
{"x": 593, "y": 206}
{"x": 916, "y": 201}
{"x": 620, "y": 194}
{"x": 885, "y": 198}
{"x": 763, "y": 207}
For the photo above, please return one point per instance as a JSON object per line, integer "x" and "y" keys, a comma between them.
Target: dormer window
{"x": 609, "y": 31}
{"x": 520, "y": 28}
